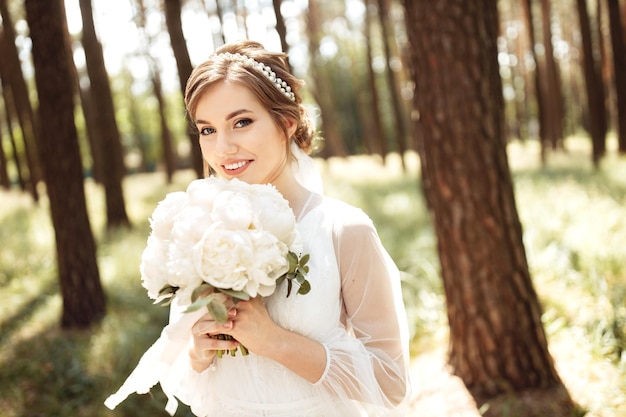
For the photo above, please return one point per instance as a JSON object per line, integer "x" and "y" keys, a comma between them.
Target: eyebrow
{"x": 228, "y": 116}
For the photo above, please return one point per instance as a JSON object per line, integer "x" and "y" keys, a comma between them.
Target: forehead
{"x": 223, "y": 98}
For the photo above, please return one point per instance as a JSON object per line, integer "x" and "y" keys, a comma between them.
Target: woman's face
{"x": 238, "y": 137}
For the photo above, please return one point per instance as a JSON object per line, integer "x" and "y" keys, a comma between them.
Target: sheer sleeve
{"x": 368, "y": 360}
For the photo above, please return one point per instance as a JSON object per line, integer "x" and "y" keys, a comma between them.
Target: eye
{"x": 205, "y": 131}
{"x": 243, "y": 123}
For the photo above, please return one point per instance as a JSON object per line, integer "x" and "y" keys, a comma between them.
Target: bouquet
{"x": 220, "y": 239}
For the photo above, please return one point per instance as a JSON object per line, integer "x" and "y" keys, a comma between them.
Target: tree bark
{"x": 14, "y": 77}
{"x": 554, "y": 97}
{"x": 398, "y": 111}
{"x": 497, "y": 342}
{"x": 619, "y": 68}
{"x": 378, "y": 139}
{"x": 7, "y": 96}
{"x": 539, "y": 79}
{"x": 594, "y": 87}
{"x": 108, "y": 145}
{"x": 333, "y": 145}
{"x": 5, "y": 181}
{"x": 169, "y": 157}
{"x": 281, "y": 28}
{"x": 83, "y": 296}
{"x": 174, "y": 24}
{"x": 167, "y": 147}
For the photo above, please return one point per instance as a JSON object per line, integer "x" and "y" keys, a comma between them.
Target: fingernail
{"x": 228, "y": 325}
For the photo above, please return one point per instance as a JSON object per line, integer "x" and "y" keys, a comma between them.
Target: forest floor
{"x": 436, "y": 392}
{"x": 439, "y": 393}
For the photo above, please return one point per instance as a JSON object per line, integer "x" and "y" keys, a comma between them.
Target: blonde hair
{"x": 219, "y": 67}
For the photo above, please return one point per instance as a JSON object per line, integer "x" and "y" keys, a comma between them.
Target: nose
{"x": 225, "y": 145}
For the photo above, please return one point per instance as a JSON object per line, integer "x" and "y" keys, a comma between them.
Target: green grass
{"x": 574, "y": 219}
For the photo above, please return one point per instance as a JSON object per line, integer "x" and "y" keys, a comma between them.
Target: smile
{"x": 236, "y": 165}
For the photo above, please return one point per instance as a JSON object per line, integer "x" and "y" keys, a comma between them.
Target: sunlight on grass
{"x": 574, "y": 219}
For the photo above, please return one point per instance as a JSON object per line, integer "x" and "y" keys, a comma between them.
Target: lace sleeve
{"x": 368, "y": 361}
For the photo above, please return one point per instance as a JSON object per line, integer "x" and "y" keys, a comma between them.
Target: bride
{"x": 340, "y": 350}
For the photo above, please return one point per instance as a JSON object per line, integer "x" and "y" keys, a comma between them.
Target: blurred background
{"x": 418, "y": 104}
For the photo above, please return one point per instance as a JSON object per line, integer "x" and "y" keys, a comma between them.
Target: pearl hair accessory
{"x": 265, "y": 70}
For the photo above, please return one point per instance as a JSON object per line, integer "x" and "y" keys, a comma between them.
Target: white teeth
{"x": 236, "y": 165}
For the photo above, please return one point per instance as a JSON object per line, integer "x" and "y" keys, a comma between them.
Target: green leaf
{"x": 202, "y": 302}
{"x": 304, "y": 260}
{"x": 202, "y": 289}
{"x": 218, "y": 311}
{"x": 293, "y": 261}
{"x": 304, "y": 288}
{"x": 237, "y": 295}
{"x": 168, "y": 289}
{"x": 165, "y": 302}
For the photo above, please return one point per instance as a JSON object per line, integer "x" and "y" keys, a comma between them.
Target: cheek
{"x": 206, "y": 149}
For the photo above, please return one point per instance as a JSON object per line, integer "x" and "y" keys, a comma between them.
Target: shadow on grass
{"x": 70, "y": 373}
{"x": 541, "y": 402}
{"x": 11, "y": 324}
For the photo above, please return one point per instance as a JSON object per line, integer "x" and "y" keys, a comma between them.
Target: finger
{"x": 205, "y": 347}
{"x": 210, "y": 327}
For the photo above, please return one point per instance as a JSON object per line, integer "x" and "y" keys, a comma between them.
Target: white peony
{"x": 162, "y": 218}
{"x": 154, "y": 275}
{"x": 221, "y": 257}
{"x": 226, "y": 233}
{"x": 274, "y": 214}
{"x": 233, "y": 210}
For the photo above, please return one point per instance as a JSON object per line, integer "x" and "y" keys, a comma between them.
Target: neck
{"x": 292, "y": 191}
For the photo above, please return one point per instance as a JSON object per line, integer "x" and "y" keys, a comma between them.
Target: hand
{"x": 204, "y": 346}
{"x": 253, "y": 327}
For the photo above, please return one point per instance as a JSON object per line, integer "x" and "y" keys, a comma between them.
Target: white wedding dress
{"x": 354, "y": 309}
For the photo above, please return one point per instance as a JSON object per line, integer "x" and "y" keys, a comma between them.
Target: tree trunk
{"x": 379, "y": 141}
{"x": 281, "y": 29}
{"x": 497, "y": 342}
{"x": 92, "y": 131}
{"x": 554, "y": 97}
{"x": 167, "y": 147}
{"x": 169, "y": 157}
{"x": 19, "y": 92}
{"x": 8, "y": 111}
{"x": 333, "y": 145}
{"x": 83, "y": 297}
{"x": 398, "y": 110}
{"x": 218, "y": 35}
{"x": 183, "y": 63}
{"x": 139, "y": 135}
{"x": 540, "y": 77}
{"x": 619, "y": 68}
{"x": 108, "y": 143}
{"x": 5, "y": 182}
{"x": 595, "y": 89}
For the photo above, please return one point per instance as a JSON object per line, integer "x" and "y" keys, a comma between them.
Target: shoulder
{"x": 347, "y": 220}
{"x": 344, "y": 213}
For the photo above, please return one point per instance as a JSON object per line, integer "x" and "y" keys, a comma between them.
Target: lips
{"x": 235, "y": 168}
{"x": 236, "y": 165}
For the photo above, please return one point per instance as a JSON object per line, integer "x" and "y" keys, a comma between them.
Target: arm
{"x": 373, "y": 367}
